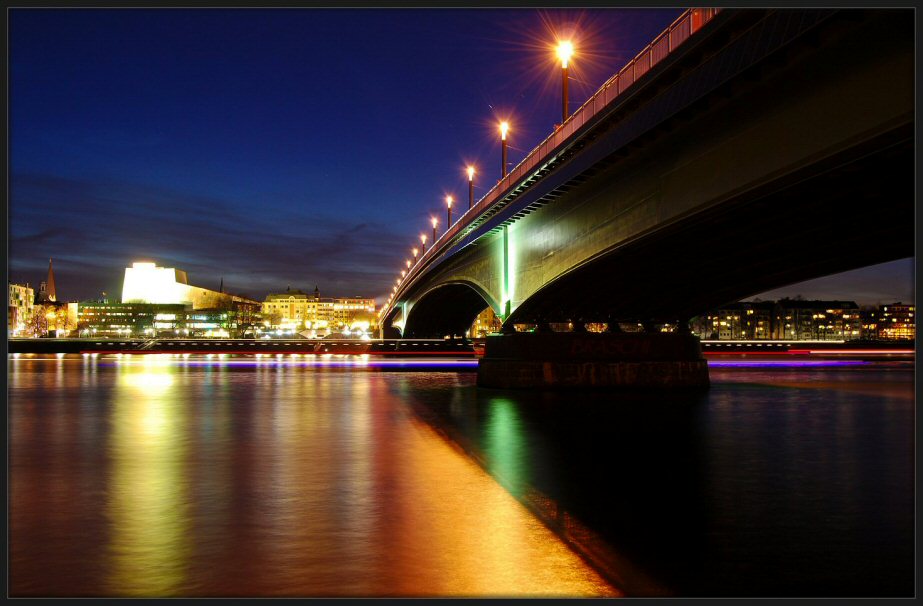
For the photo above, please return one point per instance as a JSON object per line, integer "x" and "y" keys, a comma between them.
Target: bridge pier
{"x": 596, "y": 360}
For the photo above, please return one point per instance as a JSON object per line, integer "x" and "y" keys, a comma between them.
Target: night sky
{"x": 288, "y": 147}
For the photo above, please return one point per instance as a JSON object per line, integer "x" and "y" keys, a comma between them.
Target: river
{"x": 164, "y": 475}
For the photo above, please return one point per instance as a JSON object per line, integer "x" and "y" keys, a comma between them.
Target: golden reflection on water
{"x": 484, "y": 541}
{"x": 149, "y": 543}
{"x": 274, "y": 480}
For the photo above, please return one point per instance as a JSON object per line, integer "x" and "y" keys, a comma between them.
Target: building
{"x": 46, "y": 290}
{"x": 896, "y": 322}
{"x": 750, "y": 320}
{"x": 486, "y": 323}
{"x": 163, "y": 320}
{"x": 786, "y": 320}
{"x": 148, "y": 283}
{"x": 160, "y": 302}
{"x": 20, "y": 305}
{"x": 799, "y": 320}
{"x": 297, "y": 311}
{"x": 125, "y": 320}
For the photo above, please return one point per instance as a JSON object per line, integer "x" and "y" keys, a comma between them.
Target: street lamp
{"x": 408, "y": 261}
{"x": 565, "y": 50}
{"x": 415, "y": 251}
{"x": 403, "y": 273}
{"x": 504, "y": 127}
{"x": 435, "y": 223}
{"x": 423, "y": 239}
{"x": 470, "y": 187}
{"x": 448, "y": 202}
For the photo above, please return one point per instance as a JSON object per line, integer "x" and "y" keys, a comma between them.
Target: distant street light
{"x": 435, "y": 223}
{"x": 423, "y": 241}
{"x": 408, "y": 261}
{"x": 403, "y": 273}
{"x": 470, "y": 187}
{"x": 415, "y": 251}
{"x": 565, "y": 50}
{"x": 504, "y": 127}
{"x": 448, "y": 202}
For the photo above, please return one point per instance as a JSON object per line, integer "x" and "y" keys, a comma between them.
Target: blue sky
{"x": 289, "y": 146}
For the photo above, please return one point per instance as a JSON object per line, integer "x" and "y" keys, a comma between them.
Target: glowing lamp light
{"x": 435, "y": 222}
{"x": 423, "y": 236}
{"x": 565, "y": 52}
{"x": 408, "y": 261}
{"x": 470, "y": 173}
{"x": 415, "y": 251}
{"x": 403, "y": 272}
{"x": 504, "y": 128}
{"x": 448, "y": 201}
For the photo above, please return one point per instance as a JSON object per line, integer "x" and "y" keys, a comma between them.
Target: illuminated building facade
{"x": 744, "y": 320}
{"x": 486, "y": 323}
{"x": 295, "y": 311}
{"x": 160, "y": 302}
{"x": 148, "y": 283}
{"x": 103, "y": 319}
{"x": 799, "y": 320}
{"x": 896, "y": 322}
{"x": 787, "y": 320}
{"x": 163, "y": 320}
{"x": 19, "y": 309}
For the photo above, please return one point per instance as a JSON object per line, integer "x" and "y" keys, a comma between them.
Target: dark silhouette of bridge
{"x": 743, "y": 150}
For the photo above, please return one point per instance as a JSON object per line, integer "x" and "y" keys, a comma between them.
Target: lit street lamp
{"x": 435, "y": 223}
{"x": 415, "y": 251}
{"x": 470, "y": 187}
{"x": 448, "y": 202}
{"x": 565, "y": 50}
{"x": 423, "y": 240}
{"x": 504, "y": 127}
{"x": 408, "y": 260}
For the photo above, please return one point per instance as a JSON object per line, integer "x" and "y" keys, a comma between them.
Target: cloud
{"x": 94, "y": 229}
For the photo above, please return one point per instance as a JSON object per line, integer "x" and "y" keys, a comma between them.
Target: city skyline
{"x": 228, "y": 143}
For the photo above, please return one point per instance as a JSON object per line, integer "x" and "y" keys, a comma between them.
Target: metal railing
{"x": 665, "y": 43}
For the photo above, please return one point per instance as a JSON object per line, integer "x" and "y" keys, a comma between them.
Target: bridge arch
{"x": 447, "y": 309}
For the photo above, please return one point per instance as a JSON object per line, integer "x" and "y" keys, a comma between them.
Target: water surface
{"x": 170, "y": 476}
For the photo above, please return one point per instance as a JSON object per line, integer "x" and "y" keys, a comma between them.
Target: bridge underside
{"x": 448, "y": 310}
{"x": 833, "y": 222}
{"x": 778, "y": 150}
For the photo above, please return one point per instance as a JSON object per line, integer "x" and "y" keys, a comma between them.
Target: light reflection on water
{"x": 160, "y": 475}
{"x": 165, "y": 479}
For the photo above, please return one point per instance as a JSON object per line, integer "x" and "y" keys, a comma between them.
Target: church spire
{"x": 52, "y": 296}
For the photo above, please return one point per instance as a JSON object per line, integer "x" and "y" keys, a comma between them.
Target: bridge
{"x": 741, "y": 151}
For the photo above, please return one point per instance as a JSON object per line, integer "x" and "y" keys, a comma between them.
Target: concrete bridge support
{"x": 593, "y": 360}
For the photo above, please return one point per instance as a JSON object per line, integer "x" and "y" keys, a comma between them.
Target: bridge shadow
{"x": 616, "y": 476}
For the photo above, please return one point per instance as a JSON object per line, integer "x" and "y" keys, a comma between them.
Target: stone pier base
{"x": 571, "y": 360}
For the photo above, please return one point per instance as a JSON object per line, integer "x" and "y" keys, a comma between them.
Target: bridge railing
{"x": 665, "y": 43}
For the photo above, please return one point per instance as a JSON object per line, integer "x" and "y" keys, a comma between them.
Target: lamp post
{"x": 565, "y": 50}
{"x": 504, "y": 127}
{"x": 415, "y": 251}
{"x": 435, "y": 223}
{"x": 408, "y": 261}
{"x": 448, "y": 203}
{"x": 423, "y": 241}
{"x": 470, "y": 187}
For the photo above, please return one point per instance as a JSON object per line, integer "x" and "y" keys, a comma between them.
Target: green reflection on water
{"x": 504, "y": 445}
